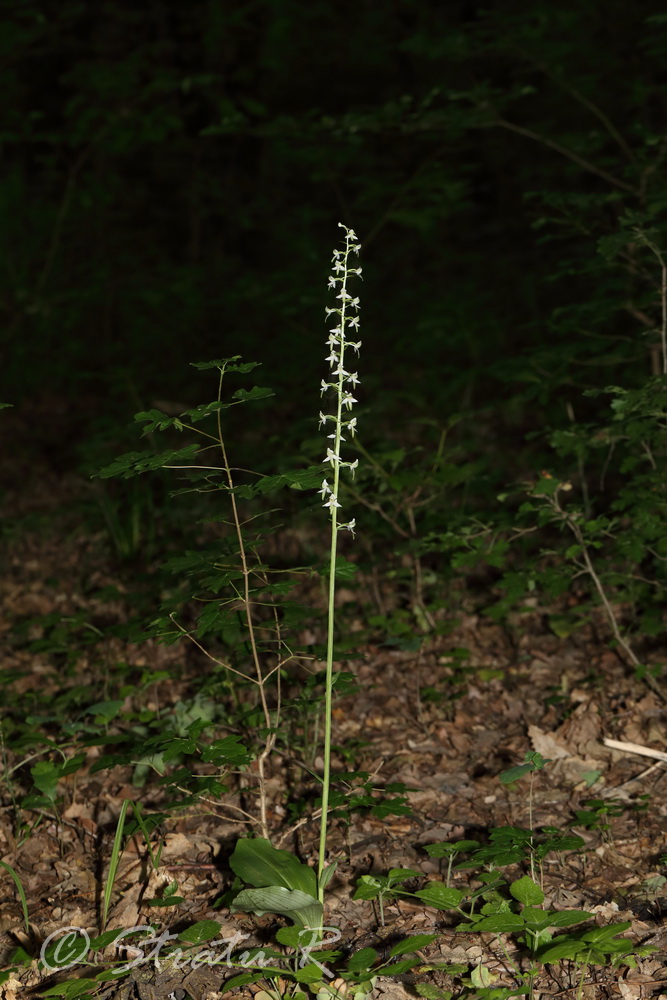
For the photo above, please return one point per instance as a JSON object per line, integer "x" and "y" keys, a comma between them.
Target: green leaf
{"x": 562, "y": 948}
{"x": 483, "y": 978}
{"x": 413, "y": 943}
{"x": 270, "y": 484}
{"x": 261, "y": 864}
{"x": 45, "y": 776}
{"x": 566, "y": 918}
{"x": 432, "y": 992}
{"x": 327, "y": 874}
{"x": 601, "y": 934}
{"x": 514, "y": 773}
{"x": 155, "y": 420}
{"x": 526, "y": 891}
{"x": 345, "y": 570}
{"x": 228, "y": 752}
{"x": 500, "y": 923}
{"x": 22, "y": 896}
{"x": 257, "y": 392}
{"x": 242, "y": 980}
{"x": 561, "y": 842}
{"x": 203, "y": 410}
{"x": 291, "y": 903}
{"x": 134, "y": 463}
{"x": 399, "y": 968}
{"x": 204, "y": 930}
{"x": 178, "y": 746}
{"x": 536, "y": 919}
{"x": 439, "y": 895}
{"x": 308, "y": 974}
{"x": 68, "y": 950}
{"x": 292, "y": 937}
{"x": 226, "y": 364}
{"x": 362, "y": 960}
{"x": 105, "y": 710}
{"x": 305, "y": 479}
{"x": 73, "y": 988}
{"x": 444, "y": 850}
{"x": 107, "y": 938}
{"x": 368, "y": 887}
{"x": 397, "y": 875}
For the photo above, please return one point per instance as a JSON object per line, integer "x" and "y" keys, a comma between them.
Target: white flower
{"x": 351, "y": 425}
{"x": 348, "y": 400}
{"x": 331, "y": 503}
{"x": 350, "y": 526}
{"x": 324, "y": 489}
{"x": 332, "y": 457}
{"x": 353, "y": 379}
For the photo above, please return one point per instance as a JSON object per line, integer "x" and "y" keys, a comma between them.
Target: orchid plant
{"x": 281, "y": 883}
{"x": 342, "y": 382}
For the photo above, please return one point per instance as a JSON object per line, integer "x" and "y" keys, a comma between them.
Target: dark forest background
{"x": 172, "y": 176}
{"x": 172, "y": 179}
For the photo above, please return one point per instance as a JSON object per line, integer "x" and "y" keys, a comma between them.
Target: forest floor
{"x": 444, "y": 726}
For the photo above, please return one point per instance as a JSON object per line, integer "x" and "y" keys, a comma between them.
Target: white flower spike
{"x": 346, "y": 315}
{"x": 339, "y": 381}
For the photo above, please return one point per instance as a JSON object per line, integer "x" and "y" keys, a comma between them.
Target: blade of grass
{"x": 116, "y": 852}
{"x": 21, "y": 892}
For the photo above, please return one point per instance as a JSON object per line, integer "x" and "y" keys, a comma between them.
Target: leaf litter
{"x": 417, "y": 719}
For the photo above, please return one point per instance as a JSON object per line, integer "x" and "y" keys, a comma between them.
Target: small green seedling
{"x": 451, "y": 852}
{"x": 384, "y": 887}
{"x": 522, "y": 915}
{"x": 533, "y": 761}
{"x": 595, "y": 813}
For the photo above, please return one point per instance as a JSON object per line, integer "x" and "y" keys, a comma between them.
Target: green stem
{"x": 326, "y": 776}
{"x": 328, "y": 694}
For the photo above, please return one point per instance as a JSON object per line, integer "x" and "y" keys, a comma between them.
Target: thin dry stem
{"x": 575, "y": 528}
{"x": 260, "y": 678}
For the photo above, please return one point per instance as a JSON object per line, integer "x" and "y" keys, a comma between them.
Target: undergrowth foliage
{"x": 245, "y": 607}
{"x": 266, "y": 690}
